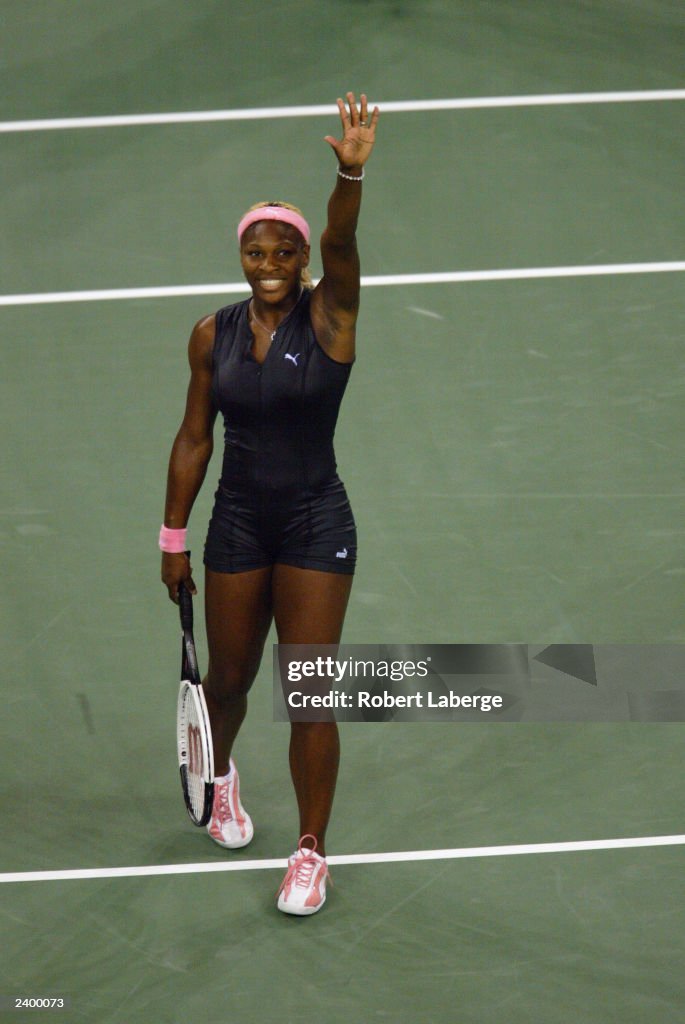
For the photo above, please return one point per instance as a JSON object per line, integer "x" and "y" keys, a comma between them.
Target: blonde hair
{"x": 305, "y": 276}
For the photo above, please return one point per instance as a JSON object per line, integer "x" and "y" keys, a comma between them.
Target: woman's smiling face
{"x": 273, "y": 256}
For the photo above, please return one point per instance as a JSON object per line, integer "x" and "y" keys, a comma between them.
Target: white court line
{"x": 381, "y": 280}
{"x": 400, "y": 857}
{"x": 329, "y": 110}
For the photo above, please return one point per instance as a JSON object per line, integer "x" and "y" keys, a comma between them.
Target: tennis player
{"x": 282, "y": 543}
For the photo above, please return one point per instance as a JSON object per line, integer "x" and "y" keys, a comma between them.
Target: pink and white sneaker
{"x": 230, "y": 824}
{"x": 303, "y": 890}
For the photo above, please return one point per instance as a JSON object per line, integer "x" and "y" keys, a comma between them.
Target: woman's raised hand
{"x": 359, "y": 133}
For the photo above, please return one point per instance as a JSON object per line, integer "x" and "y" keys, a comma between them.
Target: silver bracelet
{"x": 351, "y": 177}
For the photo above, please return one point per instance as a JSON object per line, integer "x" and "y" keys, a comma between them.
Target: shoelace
{"x": 222, "y": 809}
{"x": 301, "y": 871}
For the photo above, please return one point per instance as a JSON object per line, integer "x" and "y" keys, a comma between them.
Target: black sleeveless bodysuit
{"x": 279, "y": 498}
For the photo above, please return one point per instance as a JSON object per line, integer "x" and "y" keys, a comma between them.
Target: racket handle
{"x": 185, "y": 603}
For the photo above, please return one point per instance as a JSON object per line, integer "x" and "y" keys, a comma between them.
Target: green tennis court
{"x": 511, "y": 444}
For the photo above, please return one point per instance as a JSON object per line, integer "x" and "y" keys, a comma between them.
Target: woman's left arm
{"x": 335, "y": 301}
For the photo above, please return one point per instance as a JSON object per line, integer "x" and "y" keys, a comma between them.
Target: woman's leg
{"x": 238, "y": 616}
{"x": 309, "y": 608}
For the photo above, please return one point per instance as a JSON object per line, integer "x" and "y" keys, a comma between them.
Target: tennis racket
{"x": 193, "y": 731}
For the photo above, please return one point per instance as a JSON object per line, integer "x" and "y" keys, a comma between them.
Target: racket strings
{"x": 194, "y": 753}
{"x": 193, "y": 728}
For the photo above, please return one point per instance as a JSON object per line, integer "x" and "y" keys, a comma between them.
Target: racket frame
{"x": 191, "y": 692}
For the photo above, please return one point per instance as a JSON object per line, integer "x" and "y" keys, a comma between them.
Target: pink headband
{"x": 274, "y": 213}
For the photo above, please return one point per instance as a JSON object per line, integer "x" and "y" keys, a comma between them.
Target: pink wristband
{"x": 172, "y": 541}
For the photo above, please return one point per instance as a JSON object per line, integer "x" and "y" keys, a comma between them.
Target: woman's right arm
{"x": 191, "y": 452}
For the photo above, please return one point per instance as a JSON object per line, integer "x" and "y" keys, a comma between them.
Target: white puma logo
{"x": 292, "y": 358}
{"x": 341, "y": 554}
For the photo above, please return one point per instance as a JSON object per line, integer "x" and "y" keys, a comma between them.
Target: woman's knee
{"x": 228, "y": 684}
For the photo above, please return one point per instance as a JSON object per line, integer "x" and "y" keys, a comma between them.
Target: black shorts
{"x": 315, "y": 530}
